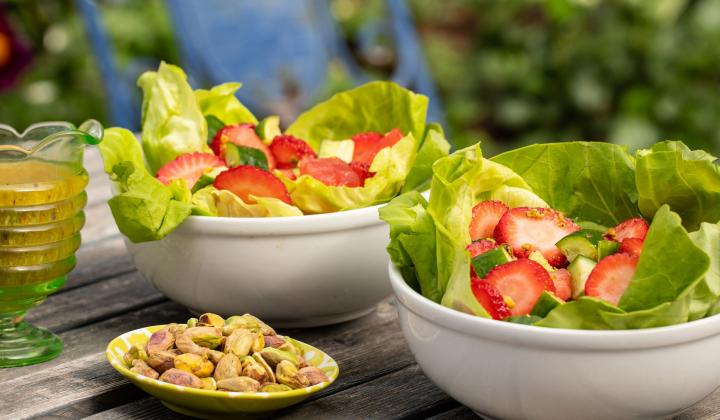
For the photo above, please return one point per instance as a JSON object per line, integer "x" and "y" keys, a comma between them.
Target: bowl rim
{"x": 544, "y": 337}
{"x": 260, "y": 396}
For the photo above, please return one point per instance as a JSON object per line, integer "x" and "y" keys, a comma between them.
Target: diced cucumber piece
{"x": 240, "y": 155}
{"x": 342, "y": 149}
{"x": 486, "y": 261}
{"x": 268, "y": 128}
{"x": 203, "y": 182}
{"x": 606, "y": 248}
{"x": 523, "y": 319}
{"x": 214, "y": 124}
{"x": 539, "y": 258}
{"x": 583, "y": 242}
{"x": 579, "y": 270}
{"x": 546, "y": 303}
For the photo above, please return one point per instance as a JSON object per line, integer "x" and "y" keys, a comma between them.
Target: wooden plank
{"x": 457, "y": 413}
{"x": 99, "y": 260}
{"x": 145, "y": 408}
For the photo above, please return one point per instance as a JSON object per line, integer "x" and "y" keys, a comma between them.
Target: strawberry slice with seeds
{"x": 480, "y": 247}
{"x": 490, "y": 298}
{"x": 190, "y": 167}
{"x": 636, "y": 227}
{"x": 631, "y": 246}
{"x": 362, "y": 170}
{"x": 522, "y": 281}
{"x": 288, "y": 151}
{"x": 562, "y": 280}
{"x": 242, "y": 135}
{"x": 246, "y": 180}
{"x": 528, "y": 229}
{"x": 330, "y": 171}
{"x": 610, "y": 277}
{"x": 485, "y": 216}
{"x": 367, "y": 145}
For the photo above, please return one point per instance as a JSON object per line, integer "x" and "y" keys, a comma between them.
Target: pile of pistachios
{"x": 241, "y": 354}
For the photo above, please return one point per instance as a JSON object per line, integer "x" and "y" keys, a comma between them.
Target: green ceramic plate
{"x": 215, "y": 404}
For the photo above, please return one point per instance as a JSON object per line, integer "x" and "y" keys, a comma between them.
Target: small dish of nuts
{"x": 212, "y": 367}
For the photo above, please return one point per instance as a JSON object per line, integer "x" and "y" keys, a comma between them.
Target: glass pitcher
{"x": 42, "y": 183}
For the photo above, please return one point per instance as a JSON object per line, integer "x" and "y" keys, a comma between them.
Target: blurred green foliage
{"x": 510, "y": 72}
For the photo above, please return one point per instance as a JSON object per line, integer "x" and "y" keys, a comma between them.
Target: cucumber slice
{"x": 538, "y": 257}
{"x": 240, "y": 155}
{"x": 214, "y": 124}
{"x": 486, "y": 261}
{"x": 202, "y": 182}
{"x": 579, "y": 270}
{"x": 606, "y": 248}
{"x": 268, "y": 128}
{"x": 342, "y": 149}
{"x": 546, "y": 303}
{"x": 583, "y": 242}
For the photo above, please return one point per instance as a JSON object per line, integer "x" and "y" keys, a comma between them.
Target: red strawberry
{"x": 485, "y": 216}
{"x": 530, "y": 229}
{"x": 242, "y": 135}
{"x": 367, "y": 145}
{"x": 631, "y": 246}
{"x": 490, "y": 298}
{"x": 289, "y": 173}
{"x": 189, "y": 167}
{"x": 611, "y": 277}
{"x": 362, "y": 170}
{"x": 631, "y": 228}
{"x": 330, "y": 171}
{"x": 523, "y": 281}
{"x": 480, "y": 247}
{"x": 288, "y": 151}
{"x": 246, "y": 180}
{"x": 562, "y": 280}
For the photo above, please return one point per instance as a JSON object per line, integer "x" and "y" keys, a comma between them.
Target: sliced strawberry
{"x": 610, "y": 277}
{"x": 242, "y": 135}
{"x": 330, "y": 171}
{"x": 631, "y": 246}
{"x": 632, "y": 228}
{"x": 523, "y": 281}
{"x": 480, "y": 247}
{"x": 367, "y": 145}
{"x": 189, "y": 167}
{"x": 289, "y": 173}
{"x": 562, "y": 280}
{"x": 362, "y": 170}
{"x": 529, "y": 229}
{"x": 246, "y": 180}
{"x": 490, "y": 298}
{"x": 485, "y": 216}
{"x": 288, "y": 151}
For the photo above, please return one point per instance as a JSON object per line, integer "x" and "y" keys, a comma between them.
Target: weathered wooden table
{"x": 105, "y": 296}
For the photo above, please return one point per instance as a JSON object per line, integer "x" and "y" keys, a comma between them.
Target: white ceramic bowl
{"x": 288, "y": 271}
{"x": 514, "y": 371}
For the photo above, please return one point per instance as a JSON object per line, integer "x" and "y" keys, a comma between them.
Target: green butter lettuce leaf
{"x": 688, "y": 181}
{"x": 391, "y": 165}
{"x": 210, "y": 201}
{"x": 433, "y": 147}
{"x": 172, "y": 123}
{"x": 412, "y": 242}
{"x": 221, "y": 102}
{"x": 706, "y": 294}
{"x": 586, "y": 313}
{"x": 586, "y": 180}
{"x": 375, "y": 106}
{"x": 120, "y": 145}
{"x": 669, "y": 264}
{"x": 668, "y": 313}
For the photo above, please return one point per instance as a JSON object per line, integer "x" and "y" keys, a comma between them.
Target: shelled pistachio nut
{"x": 139, "y": 366}
{"x": 181, "y": 377}
{"x": 135, "y": 352}
{"x": 197, "y": 365}
{"x": 314, "y": 375}
{"x": 239, "y": 384}
{"x": 287, "y": 374}
{"x": 214, "y": 356}
{"x": 209, "y": 383}
{"x": 228, "y": 367}
{"x": 239, "y": 342}
{"x": 177, "y": 329}
{"x": 274, "y": 341}
{"x": 160, "y": 340}
{"x": 274, "y": 388}
{"x": 210, "y": 320}
{"x": 274, "y": 356}
{"x": 162, "y": 360}
{"x": 248, "y": 322}
{"x": 192, "y": 322}
{"x": 252, "y": 369}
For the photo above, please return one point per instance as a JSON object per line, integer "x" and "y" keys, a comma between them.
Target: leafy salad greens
{"x": 597, "y": 185}
{"x": 180, "y": 123}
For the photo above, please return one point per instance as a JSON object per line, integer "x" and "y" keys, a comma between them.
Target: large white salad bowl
{"x": 512, "y": 371}
{"x": 289, "y": 271}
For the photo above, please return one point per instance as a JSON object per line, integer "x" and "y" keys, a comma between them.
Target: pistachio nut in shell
{"x": 135, "y": 352}
{"x": 274, "y": 341}
{"x": 275, "y": 388}
{"x": 268, "y": 370}
{"x": 210, "y": 320}
{"x": 314, "y": 375}
{"x": 239, "y": 342}
{"x": 239, "y": 384}
{"x": 252, "y": 369}
{"x": 192, "y": 322}
{"x": 274, "y": 356}
{"x": 228, "y": 367}
{"x": 249, "y": 322}
{"x": 139, "y": 366}
{"x": 209, "y": 337}
{"x": 181, "y": 377}
{"x": 162, "y": 360}
{"x": 209, "y": 384}
{"x": 160, "y": 340}
{"x": 214, "y": 355}
{"x": 258, "y": 343}
{"x": 197, "y": 365}
{"x": 287, "y": 373}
